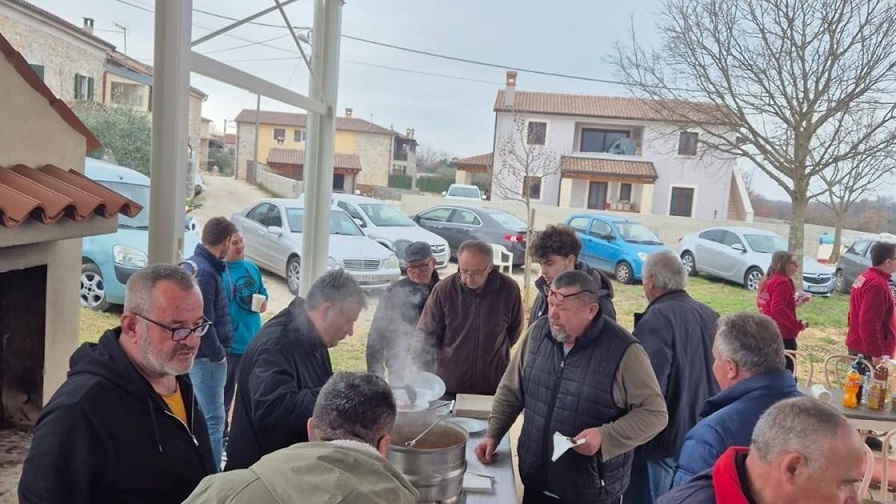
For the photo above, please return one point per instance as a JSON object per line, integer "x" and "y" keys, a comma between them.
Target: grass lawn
{"x": 825, "y": 336}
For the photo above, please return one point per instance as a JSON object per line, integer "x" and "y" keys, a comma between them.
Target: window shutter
{"x": 77, "y": 86}
{"x": 90, "y": 88}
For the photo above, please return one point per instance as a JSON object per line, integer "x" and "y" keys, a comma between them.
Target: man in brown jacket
{"x": 470, "y": 322}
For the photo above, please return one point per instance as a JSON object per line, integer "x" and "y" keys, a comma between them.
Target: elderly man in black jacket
{"x": 286, "y": 365}
{"x": 677, "y": 332}
{"x": 395, "y": 321}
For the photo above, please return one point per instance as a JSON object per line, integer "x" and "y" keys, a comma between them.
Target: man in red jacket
{"x": 802, "y": 450}
{"x": 871, "y": 321}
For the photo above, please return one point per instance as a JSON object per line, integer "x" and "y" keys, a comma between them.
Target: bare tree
{"x": 525, "y": 162}
{"x": 787, "y": 79}
{"x": 846, "y": 183}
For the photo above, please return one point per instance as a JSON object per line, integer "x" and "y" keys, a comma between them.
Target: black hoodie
{"x": 107, "y": 437}
{"x": 604, "y": 293}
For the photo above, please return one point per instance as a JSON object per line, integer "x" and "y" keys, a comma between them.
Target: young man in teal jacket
{"x": 242, "y": 281}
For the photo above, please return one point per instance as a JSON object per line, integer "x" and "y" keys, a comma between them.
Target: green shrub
{"x": 434, "y": 184}
{"x": 401, "y": 181}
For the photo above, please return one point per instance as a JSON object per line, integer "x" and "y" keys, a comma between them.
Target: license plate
{"x": 819, "y": 288}
{"x": 366, "y": 278}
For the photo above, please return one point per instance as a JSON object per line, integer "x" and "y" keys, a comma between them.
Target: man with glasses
{"x": 125, "y": 426}
{"x": 395, "y": 321}
{"x": 469, "y": 323}
{"x": 578, "y": 376}
{"x": 871, "y": 319}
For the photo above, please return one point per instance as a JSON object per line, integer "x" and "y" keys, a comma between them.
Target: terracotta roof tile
{"x": 611, "y": 107}
{"x": 126, "y": 61}
{"x": 49, "y": 193}
{"x": 24, "y": 69}
{"x": 300, "y": 120}
{"x": 480, "y": 160}
{"x": 297, "y": 157}
{"x": 607, "y": 167}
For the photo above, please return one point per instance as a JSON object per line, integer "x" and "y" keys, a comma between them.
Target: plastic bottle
{"x": 851, "y": 388}
{"x": 865, "y": 371}
{"x": 877, "y": 396}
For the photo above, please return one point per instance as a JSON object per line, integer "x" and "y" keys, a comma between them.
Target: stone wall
{"x": 375, "y": 153}
{"x": 245, "y": 146}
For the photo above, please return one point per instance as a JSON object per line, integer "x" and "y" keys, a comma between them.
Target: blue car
{"x": 613, "y": 244}
{"x": 107, "y": 261}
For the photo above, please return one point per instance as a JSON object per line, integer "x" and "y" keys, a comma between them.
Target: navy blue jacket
{"x": 729, "y": 418}
{"x": 215, "y": 344}
{"x": 677, "y": 332}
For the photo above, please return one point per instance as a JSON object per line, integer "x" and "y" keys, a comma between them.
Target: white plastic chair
{"x": 502, "y": 258}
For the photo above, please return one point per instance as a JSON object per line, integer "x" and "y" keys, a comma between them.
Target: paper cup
{"x": 821, "y": 393}
{"x": 257, "y": 301}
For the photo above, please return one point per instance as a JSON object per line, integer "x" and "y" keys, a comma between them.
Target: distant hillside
{"x": 870, "y": 215}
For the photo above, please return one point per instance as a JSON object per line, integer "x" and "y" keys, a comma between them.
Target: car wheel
{"x": 624, "y": 273}
{"x": 93, "y": 289}
{"x": 690, "y": 265}
{"x": 840, "y": 282}
{"x": 293, "y": 272}
{"x": 751, "y": 278}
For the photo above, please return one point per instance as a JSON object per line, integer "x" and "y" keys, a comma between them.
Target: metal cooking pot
{"x": 436, "y": 465}
{"x": 425, "y": 412}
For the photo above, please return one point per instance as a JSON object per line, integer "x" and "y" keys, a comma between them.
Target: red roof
{"x": 50, "y": 193}
{"x": 300, "y": 120}
{"x": 133, "y": 65}
{"x": 480, "y": 160}
{"x": 619, "y": 168}
{"x": 297, "y": 157}
{"x": 24, "y": 69}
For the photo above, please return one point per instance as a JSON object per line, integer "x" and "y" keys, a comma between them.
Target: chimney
{"x": 348, "y": 112}
{"x": 411, "y": 133}
{"x": 88, "y": 25}
{"x": 511, "y": 89}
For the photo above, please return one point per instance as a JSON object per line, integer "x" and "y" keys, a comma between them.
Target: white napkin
{"x": 474, "y": 482}
{"x": 562, "y": 444}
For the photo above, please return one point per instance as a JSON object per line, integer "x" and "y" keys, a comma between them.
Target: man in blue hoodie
{"x": 242, "y": 282}
{"x": 209, "y": 373}
{"x": 749, "y": 366}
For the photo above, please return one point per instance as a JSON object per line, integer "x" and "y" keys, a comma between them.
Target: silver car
{"x": 853, "y": 263}
{"x": 272, "y": 234}
{"x": 742, "y": 255}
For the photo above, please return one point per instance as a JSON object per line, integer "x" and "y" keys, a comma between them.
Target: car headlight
{"x": 332, "y": 263}
{"x": 128, "y": 256}
{"x": 391, "y": 262}
{"x": 642, "y": 256}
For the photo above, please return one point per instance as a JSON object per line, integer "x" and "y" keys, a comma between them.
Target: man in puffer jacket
{"x": 556, "y": 250}
{"x": 344, "y": 462}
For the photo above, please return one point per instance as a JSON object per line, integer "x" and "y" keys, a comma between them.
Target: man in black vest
{"x": 580, "y": 375}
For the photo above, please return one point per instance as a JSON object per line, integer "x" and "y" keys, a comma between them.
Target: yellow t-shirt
{"x": 175, "y": 403}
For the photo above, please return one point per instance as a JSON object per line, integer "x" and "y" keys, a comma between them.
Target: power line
{"x": 257, "y": 23}
{"x": 233, "y": 48}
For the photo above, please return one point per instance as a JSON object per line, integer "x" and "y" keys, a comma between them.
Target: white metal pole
{"x": 170, "y": 132}
{"x": 318, "y": 173}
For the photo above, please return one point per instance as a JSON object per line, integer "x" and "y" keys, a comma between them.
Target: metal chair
{"x": 870, "y": 463}
{"x": 837, "y": 366}
{"x": 502, "y": 258}
{"x": 793, "y": 355}
{"x": 881, "y": 477}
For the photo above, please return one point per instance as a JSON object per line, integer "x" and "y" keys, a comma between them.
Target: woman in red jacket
{"x": 777, "y": 299}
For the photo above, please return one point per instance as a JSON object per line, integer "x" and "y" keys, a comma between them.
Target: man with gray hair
{"x": 577, "y": 375}
{"x": 125, "y": 426}
{"x": 469, "y": 323}
{"x": 286, "y": 365}
{"x": 802, "y": 450}
{"x": 677, "y": 331}
{"x": 749, "y": 365}
{"x": 344, "y": 462}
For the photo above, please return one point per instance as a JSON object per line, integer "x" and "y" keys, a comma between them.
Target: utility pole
{"x": 255, "y": 155}
{"x": 124, "y": 31}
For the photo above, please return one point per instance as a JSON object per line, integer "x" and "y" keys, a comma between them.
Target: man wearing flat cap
{"x": 395, "y": 321}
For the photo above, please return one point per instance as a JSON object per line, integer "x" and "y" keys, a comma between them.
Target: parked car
{"x": 852, "y": 263}
{"x": 463, "y": 192}
{"x": 742, "y": 255}
{"x": 107, "y": 261}
{"x": 617, "y": 245}
{"x": 457, "y": 224}
{"x": 272, "y": 234}
{"x": 389, "y": 226}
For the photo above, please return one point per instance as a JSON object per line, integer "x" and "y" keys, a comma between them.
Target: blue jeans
{"x": 650, "y": 480}
{"x": 208, "y": 384}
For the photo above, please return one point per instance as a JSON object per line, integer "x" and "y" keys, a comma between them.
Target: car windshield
{"x": 508, "y": 220}
{"x": 766, "y": 244}
{"x": 464, "y": 192}
{"x": 340, "y": 223}
{"x": 137, "y": 193}
{"x": 383, "y": 215}
{"x": 635, "y": 232}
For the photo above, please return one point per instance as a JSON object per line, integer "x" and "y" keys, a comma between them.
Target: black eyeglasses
{"x": 549, "y": 293}
{"x": 181, "y": 333}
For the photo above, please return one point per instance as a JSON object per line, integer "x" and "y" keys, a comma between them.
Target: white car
{"x": 272, "y": 234}
{"x": 389, "y": 226}
{"x": 463, "y": 192}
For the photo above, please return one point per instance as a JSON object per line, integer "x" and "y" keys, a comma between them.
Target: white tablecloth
{"x": 504, "y": 486}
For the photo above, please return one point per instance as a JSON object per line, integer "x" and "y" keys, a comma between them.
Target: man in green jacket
{"x": 344, "y": 462}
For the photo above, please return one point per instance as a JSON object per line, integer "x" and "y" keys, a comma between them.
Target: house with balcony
{"x": 380, "y": 151}
{"x": 613, "y": 153}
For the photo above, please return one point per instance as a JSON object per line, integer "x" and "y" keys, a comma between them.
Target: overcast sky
{"x": 448, "y": 103}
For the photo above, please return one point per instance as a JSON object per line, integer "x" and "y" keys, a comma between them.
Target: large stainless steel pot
{"x": 436, "y": 464}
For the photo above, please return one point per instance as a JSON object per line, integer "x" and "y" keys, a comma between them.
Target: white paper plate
{"x": 471, "y": 425}
{"x": 429, "y": 386}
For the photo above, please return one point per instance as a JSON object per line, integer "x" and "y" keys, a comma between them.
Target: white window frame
{"x": 540, "y": 187}
{"x": 696, "y": 145}
{"x": 547, "y": 126}
{"x": 693, "y": 202}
